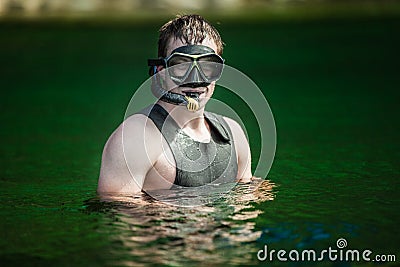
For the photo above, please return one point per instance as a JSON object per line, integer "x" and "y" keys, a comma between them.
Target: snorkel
{"x": 190, "y": 66}
{"x": 190, "y": 100}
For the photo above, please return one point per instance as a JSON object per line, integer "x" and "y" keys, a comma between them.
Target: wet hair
{"x": 191, "y": 29}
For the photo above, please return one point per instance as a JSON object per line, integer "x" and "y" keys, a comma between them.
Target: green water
{"x": 332, "y": 86}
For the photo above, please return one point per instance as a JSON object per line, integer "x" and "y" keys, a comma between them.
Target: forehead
{"x": 174, "y": 43}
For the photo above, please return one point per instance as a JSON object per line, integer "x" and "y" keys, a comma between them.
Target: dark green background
{"x": 333, "y": 87}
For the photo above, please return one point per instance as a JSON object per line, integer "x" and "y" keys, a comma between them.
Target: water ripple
{"x": 157, "y": 233}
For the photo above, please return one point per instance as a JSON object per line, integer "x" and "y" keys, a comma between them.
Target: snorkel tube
{"x": 193, "y": 78}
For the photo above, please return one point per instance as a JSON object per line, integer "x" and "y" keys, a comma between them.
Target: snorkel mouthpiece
{"x": 192, "y": 104}
{"x": 190, "y": 100}
{"x": 194, "y": 95}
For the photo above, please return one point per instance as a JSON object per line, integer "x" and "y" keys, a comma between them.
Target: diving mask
{"x": 192, "y": 63}
{"x": 187, "y": 66}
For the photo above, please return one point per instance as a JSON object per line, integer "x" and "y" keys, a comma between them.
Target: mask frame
{"x": 195, "y": 61}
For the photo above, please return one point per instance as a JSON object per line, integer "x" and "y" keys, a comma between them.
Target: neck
{"x": 183, "y": 117}
{"x": 192, "y": 123}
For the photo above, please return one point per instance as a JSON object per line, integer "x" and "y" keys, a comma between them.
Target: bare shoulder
{"x": 127, "y": 144}
{"x": 235, "y": 127}
{"x": 133, "y": 127}
{"x": 242, "y": 150}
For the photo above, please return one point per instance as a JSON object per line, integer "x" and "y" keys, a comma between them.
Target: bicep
{"x": 242, "y": 150}
{"x": 124, "y": 161}
{"x": 115, "y": 176}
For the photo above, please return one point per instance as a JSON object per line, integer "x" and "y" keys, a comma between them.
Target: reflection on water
{"x": 218, "y": 233}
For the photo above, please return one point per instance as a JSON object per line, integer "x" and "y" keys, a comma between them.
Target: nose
{"x": 194, "y": 79}
{"x": 194, "y": 76}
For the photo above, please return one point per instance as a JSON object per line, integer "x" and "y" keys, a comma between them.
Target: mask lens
{"x": 179, "y": 65}
{"x": 211, "y": 66}
{"x": 178, "y": 59}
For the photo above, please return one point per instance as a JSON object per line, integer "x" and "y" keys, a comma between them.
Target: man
{"x": 176, "y": 142}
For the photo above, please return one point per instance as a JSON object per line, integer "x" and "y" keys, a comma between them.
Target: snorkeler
{"x": 175, "y": 142}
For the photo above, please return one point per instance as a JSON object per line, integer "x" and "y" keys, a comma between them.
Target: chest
{"x": 189, "y": 163}
{"x": 162, "y": 174}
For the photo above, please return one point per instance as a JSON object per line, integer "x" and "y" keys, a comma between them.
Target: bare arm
{"x": 126, "y": 144}
{"x": 242, "y": 151}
